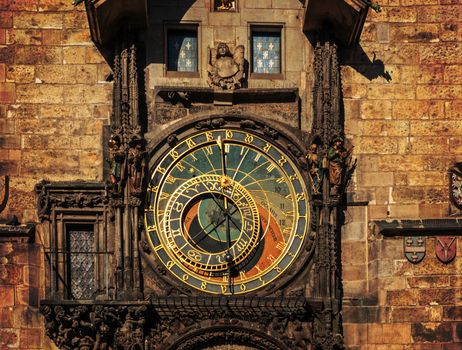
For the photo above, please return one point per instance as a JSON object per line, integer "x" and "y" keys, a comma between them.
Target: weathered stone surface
{"x": 402, "y": 297}
{"x": 432, "y": 332}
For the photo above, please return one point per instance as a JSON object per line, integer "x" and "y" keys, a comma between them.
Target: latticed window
{"x": 81, "y": 240}
{"x": 182, "y": 50}
{"x": 266, "y": 50}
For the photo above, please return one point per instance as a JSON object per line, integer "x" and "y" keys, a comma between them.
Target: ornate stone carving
{"x": 340, "y": 165}
{"x": 4, "y": 192}
{"x": 225, "y": 5}
{"x": 92, "y": 327}
{"x": 226, "y": 70}
{"x": 68, "y": 195}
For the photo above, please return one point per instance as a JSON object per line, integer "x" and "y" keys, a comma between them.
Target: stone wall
{"x": 54, "y": 100}
{"x": 402, "y": 87}
{"x": 403, "y": 104}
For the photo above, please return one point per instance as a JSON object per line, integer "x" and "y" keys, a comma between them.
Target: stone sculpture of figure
{"x": 337, "y": 156}
{"x": 226, "y": 71}
{"x": 226, "y": 5}
{"x": 136, "y": 166}
{"x": 116, "y": 159}
{"x": 315, "y": 168}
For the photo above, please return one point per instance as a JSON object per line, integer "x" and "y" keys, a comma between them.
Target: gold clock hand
{"x": 224, "y": 180}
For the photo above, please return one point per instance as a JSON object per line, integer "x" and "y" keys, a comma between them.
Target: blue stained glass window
{"x": 266, "y": 49}
{"x": 182, "y": 51}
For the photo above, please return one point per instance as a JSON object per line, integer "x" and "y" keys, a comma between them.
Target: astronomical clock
{"x": 227, "y": 208}
{"x": 218, "y": 225}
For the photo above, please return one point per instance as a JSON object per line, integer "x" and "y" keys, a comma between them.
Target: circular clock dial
{"x": 227, "y": 211}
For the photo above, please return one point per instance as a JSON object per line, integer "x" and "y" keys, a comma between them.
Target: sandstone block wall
{"x": 54, "y": 100}
{"x": 403, "y": 106}
{"x": 402, "y": 90}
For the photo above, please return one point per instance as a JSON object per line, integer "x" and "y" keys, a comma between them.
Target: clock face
{"x": 227, "y": 211}
{"x": 455, "y": 187}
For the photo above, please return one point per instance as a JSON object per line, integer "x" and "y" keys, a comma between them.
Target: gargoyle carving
{"x": 226, "y": 70}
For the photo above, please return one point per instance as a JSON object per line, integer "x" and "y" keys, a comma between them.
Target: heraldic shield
{"x": 415, "y": 248}
{"x": 446, "y": 247}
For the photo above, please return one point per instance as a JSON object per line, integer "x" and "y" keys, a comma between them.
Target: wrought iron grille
{"x": 79, "y": 262}
{"x": 82, "y": 262}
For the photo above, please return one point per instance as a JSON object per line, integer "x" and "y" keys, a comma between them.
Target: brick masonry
{"x": 402, "y": 100}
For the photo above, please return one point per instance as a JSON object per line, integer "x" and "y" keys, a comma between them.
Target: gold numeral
{"x": 185, "y": 277}
{"x": 257, "y": 157}
{"x": 293, "y": 177}
{"x": 270, "y": 168}
{"x": 170, "y": 264}
{"x": 174, "y": 154}
{"x": 170, "y": 179}
{"x": 162, "y": 170}
{"x": 227, "y": 148}
{"x": 271, "y": 258}
{"x": 300, "y": 197}
{"x": 153, "y": 189}
{"x": 243, "y": 287}
{"x": 280, "y": 180}
{"x": 241, "y": 244}
{"x": 242, "y": 275}
{"x": 164, "y": 195}
{"x": 208, "y": 150}
{"x": 267, "y": 147}
{"x": 248, "y": 138}
{"x": 180, "y": 166}
{"x": 209, "y": 136}
{"x": 229, "y": 134}
{"x": 224, "y": 288}
{"x": 278, "y": 269}
{"x": 190, "y": 143}
{"x": 281, "y": 245}
{"x": 204, "y": 285}
{"x": 282, "y": 161}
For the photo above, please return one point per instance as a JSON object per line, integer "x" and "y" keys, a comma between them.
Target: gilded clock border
{"x": 232, "y": 122}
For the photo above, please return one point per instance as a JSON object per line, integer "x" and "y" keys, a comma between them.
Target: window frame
{"x": 267, "y": 28}
{"x": 169, "y": 27}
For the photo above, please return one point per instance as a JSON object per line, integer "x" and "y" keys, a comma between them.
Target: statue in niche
{"x": 225, "y": 5}
{"x": 315, "y": 168}
{"x": 338, "y": 157}
{"x": 116, "y": 159}
{"x": 136, "y": 165}
{"x": 226, "y": 70}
